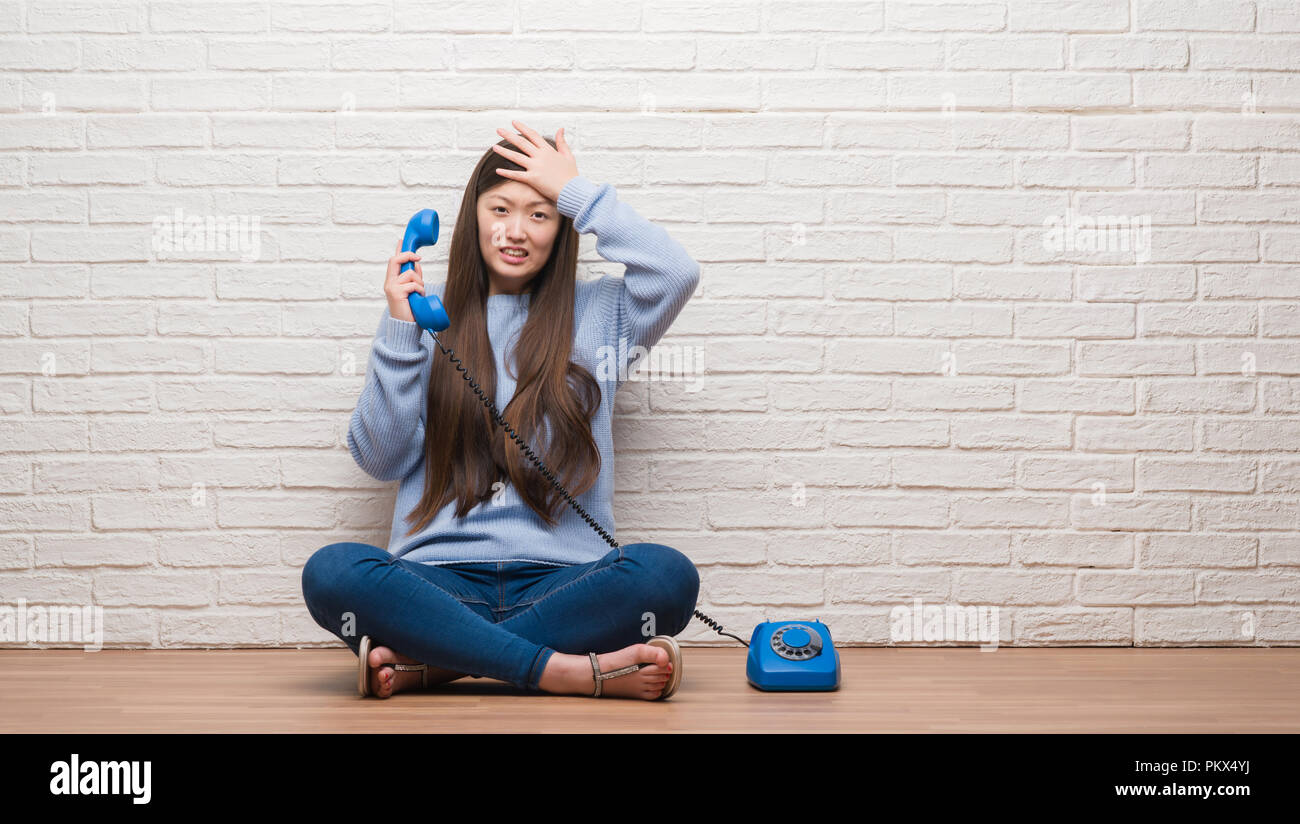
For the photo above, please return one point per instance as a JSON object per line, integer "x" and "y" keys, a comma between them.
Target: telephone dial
{"x": 783, "y": 655}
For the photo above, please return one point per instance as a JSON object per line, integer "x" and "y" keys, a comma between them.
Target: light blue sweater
{"x": 386, "y": 434}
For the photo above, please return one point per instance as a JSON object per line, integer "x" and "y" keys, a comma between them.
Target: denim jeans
{"x": 499, "y": 619}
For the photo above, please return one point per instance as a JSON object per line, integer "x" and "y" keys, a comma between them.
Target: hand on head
{"x": 547, "y": 169}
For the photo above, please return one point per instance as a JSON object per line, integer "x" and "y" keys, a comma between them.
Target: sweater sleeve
{"x": 386, "y": 434}
{"x": 660, "y": 276}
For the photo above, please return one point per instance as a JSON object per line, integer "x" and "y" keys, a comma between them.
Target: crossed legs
{"x": 458, "y": 625}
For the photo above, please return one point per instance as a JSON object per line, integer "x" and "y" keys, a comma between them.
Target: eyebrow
{"x": 511, "y": 202}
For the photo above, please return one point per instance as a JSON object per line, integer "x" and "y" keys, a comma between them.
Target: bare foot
{"x": 572, "y": 675}
{"x": 384, "y": 681}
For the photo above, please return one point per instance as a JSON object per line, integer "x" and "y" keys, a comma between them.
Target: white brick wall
{"x": 914, "y": 389}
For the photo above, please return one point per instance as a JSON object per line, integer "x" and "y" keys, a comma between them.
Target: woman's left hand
{"x": 545, "y": 169}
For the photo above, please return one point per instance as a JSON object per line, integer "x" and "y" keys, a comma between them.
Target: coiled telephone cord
{"x": 546, "y": 473}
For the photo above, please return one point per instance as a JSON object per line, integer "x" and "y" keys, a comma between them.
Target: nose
{"x": 514, "y": 229}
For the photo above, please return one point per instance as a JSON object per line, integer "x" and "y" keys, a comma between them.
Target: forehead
{"x": 514, "y": 193}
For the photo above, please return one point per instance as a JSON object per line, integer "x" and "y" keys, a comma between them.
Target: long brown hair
{"x": 465, "y": 451}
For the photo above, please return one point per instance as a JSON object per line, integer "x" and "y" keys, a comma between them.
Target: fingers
{"x": 395, "y": 262}
{"x": 399, "y": 285}
{"x": 522, "y": 142}
{"x": 411, "y": 275}
{"x": 406, "y": 283}
{"x": 405, "y": 289}
{"x": 530, "y": 133}
{"x": 521, "y": 159}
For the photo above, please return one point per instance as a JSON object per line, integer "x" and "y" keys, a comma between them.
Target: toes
{"x": 381, "y": 661}
{"x": 654, "y": 655}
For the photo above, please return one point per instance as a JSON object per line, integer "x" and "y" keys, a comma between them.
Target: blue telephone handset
{"x": 422, "y": 230}
{"x": 785, "y": 655}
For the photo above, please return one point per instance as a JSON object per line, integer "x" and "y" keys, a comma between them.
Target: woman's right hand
{"x": 398, "y": 287}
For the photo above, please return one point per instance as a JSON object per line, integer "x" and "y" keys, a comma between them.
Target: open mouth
{"x": 513, "y": 254}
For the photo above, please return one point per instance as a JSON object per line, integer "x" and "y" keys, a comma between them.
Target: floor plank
{"x": 883, "y": 690}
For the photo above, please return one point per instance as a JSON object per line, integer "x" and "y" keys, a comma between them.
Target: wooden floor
{"x": 882, "y": 690}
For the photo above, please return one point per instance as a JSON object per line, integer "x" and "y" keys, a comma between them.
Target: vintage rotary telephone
{"x": 783, "y": 655}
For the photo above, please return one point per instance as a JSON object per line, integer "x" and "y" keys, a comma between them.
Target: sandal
{"x": 674, "y": 658}
{"x": 363, "y": 670}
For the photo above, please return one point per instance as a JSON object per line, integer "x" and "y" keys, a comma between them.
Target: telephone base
{"x": 793, "y": 656}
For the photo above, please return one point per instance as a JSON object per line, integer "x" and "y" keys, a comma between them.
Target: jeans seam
{"x": 393, "y": 563}
{"x": 584, "y": 576}
{"x": 529, "y": 680}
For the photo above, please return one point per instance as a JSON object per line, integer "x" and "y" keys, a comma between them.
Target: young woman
{"x": 489, "y": 570}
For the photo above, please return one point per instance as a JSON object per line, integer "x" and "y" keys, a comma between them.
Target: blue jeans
{"x": 499, "y": 619}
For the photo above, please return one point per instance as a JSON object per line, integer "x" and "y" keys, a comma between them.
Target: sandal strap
{"x": 599, "y": 676}
{"x": 423, "y": 669}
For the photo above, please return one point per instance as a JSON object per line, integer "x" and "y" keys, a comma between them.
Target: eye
{"x": 543, "y": 214}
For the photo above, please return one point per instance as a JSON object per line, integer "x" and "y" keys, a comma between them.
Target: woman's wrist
{"x": 401, "y": 335}
{"x": 577, "y": 193}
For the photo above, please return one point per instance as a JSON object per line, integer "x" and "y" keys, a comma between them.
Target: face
{"x": 513, "y": 216}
